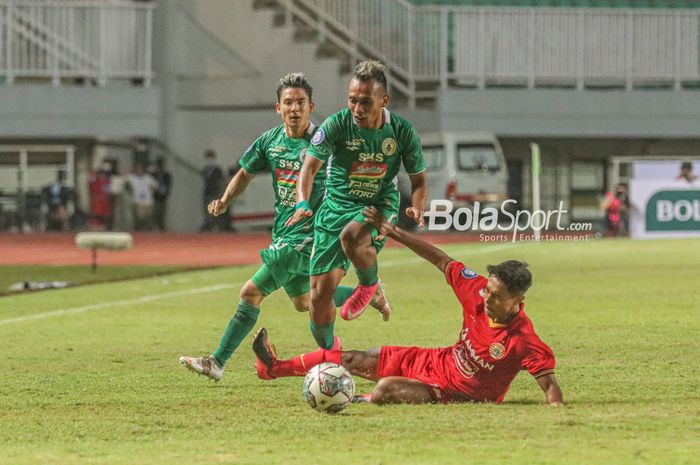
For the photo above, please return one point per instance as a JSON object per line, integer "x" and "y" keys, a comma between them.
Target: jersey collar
{"x": 312, "y": 127}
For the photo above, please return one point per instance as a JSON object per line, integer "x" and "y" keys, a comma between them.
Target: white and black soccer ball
{"x": 328, "y": 388}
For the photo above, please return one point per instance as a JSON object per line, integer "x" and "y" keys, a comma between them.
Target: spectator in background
{"x": 214, "y": 183}
{"x": 121, "y": 201}
{"x": 101, "y": 197}
{"x": 686, "y": 172}
{"x": 616, "y": 207}
{"x": 164, "y": 180}
{"x": 57, "y": 203}
{"x": 142, "y": 187}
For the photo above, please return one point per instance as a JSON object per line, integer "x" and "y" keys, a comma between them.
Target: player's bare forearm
{"x": 305, "y": 185}
{"x": 306, "y": 178}
{"x": 552, "y": 391}
{"x": 419, "y": 195}
{"x": 419, "y": 246}
{"x": 236, "y": 187}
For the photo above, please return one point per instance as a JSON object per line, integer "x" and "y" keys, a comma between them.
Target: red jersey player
{"x": 496, "y": 342}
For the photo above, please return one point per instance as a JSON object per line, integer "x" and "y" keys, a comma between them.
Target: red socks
{"x": 301, "y": 364}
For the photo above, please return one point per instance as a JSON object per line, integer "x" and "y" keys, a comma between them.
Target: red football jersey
{"x": 487, "y": 356}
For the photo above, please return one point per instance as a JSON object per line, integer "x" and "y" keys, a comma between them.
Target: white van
{"x": 465, "y": 167}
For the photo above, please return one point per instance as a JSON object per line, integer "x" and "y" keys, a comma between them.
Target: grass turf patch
{"x": 101, "y": 385}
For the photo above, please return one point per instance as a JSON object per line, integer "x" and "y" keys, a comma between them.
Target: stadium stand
{"x": 179, "y": 77}
{"x": 567, "y": 3}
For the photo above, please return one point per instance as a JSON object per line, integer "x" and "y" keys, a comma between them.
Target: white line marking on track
{"x": 118, "y": 303}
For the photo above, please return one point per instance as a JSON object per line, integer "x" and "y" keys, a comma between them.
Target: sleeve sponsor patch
{"x": 318, "y": 137}
{"x": 468, "y": 273}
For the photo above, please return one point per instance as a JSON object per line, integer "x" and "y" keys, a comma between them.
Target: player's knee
{"x": 351, "y": 236}
{"x": 385, "y": 392}
{"x": 321, "y": 298}
{"x": 301, "y": 304}
{"x": 301, "y": 307}
{"x": 347, "y": 238}
{"x": 251, "y": 294}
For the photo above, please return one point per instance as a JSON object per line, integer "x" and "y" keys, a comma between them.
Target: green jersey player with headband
{"x": 363, "y": 148}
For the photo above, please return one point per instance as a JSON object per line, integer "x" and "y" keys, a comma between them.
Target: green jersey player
{"x": 363, "y": 148}
{"x": 286, "y": 261}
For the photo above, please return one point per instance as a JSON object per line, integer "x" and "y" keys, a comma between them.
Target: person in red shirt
{"x": 616, "y": 208}
{"x": 101, "y": 198}
{"x": 497, "y": 340}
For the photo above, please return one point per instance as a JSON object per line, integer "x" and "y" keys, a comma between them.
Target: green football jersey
{"x": 362, "y": 164}
{"x": 283, "y": 156}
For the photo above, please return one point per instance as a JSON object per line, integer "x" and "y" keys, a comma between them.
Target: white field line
{"x": 117, "y": 303}
{"x": 200, "y": 290}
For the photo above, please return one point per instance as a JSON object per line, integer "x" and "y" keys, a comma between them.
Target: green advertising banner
{"x": 673, "y": 210}
{"x": 660, "y": 208}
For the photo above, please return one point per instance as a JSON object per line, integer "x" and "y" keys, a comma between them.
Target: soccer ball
{"x": 328, "y": 388}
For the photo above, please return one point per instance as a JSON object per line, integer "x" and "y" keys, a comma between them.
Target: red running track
{"x": 157, "y": 249}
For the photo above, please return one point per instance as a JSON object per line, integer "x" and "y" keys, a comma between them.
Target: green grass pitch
{"x": 90, "y": 375}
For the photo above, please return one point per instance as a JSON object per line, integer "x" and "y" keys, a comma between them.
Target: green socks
{"x": 238, "y": 328}
{"x": 323, "y": 335}
{"x": 341, "y": 295}
{"x": 368, "y": 276}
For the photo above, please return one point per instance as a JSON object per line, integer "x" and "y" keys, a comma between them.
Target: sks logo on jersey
{"x": 467, "y": 360}
{"x": 286, "y": 178}
{"x": 367, "y": 171}
{"x": 289, "y": 165}
{"x": 370, "y": 157}
{"x": 468, "y": 273}
{"x": 389, "y": 146}
{"x": 354, "y": 144}
{"x": 497, "y": 351}
{"x": 318, "y": 137}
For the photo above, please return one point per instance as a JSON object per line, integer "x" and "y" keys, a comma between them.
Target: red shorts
{"x": 424, "y": 365}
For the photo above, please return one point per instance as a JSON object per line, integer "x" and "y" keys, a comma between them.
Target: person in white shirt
{"x": 142, "y": 186}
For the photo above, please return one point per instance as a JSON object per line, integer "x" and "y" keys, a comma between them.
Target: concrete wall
{"x": 570, "y": 113}
{"x": 69, "y": 112}
{"x": 218, "y": 64}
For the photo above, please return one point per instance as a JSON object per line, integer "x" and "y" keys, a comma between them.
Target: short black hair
{"x": 513, "y": 274}
{"x": 686, "y": 165}
{"x": 294, "y": 80}
{"x": 371, "y": 70}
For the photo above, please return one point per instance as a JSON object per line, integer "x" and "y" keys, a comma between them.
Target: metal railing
{"x": 429, "y": 47}
{"x": 89, "y": 39}
{"x": 576, "y": 46}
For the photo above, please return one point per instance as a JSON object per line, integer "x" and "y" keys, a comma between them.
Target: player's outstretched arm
{"x": 552, "y": 391}
{"x": 419, "y": 246}
{"x": 419, "y": 195}
{"x": 305, "y": 185}
{"x": 235, "y": 188}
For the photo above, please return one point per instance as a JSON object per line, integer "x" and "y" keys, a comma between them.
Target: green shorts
{"x": 327, "y": 253}
{"x": 283, "y": 266}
